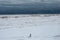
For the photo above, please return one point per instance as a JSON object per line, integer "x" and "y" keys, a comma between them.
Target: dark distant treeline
{"x": 30, "y": 12}
{"x": 35, "y": 8}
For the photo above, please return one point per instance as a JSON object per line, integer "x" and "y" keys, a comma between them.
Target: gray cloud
{"x": 26, "y": 1}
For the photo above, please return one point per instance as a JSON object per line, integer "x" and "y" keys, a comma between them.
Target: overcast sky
{"x": 26, "y": 1}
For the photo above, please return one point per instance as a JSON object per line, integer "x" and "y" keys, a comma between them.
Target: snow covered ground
{"x": 20, "y": 27}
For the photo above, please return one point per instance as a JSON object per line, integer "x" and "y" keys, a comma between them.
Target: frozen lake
{"x": 20, "y": 27}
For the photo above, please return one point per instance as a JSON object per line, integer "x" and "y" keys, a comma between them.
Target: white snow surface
{"x": 40, "y": 28}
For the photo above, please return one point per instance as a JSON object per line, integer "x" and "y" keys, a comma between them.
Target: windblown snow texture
{"x": 30, "y": 28}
